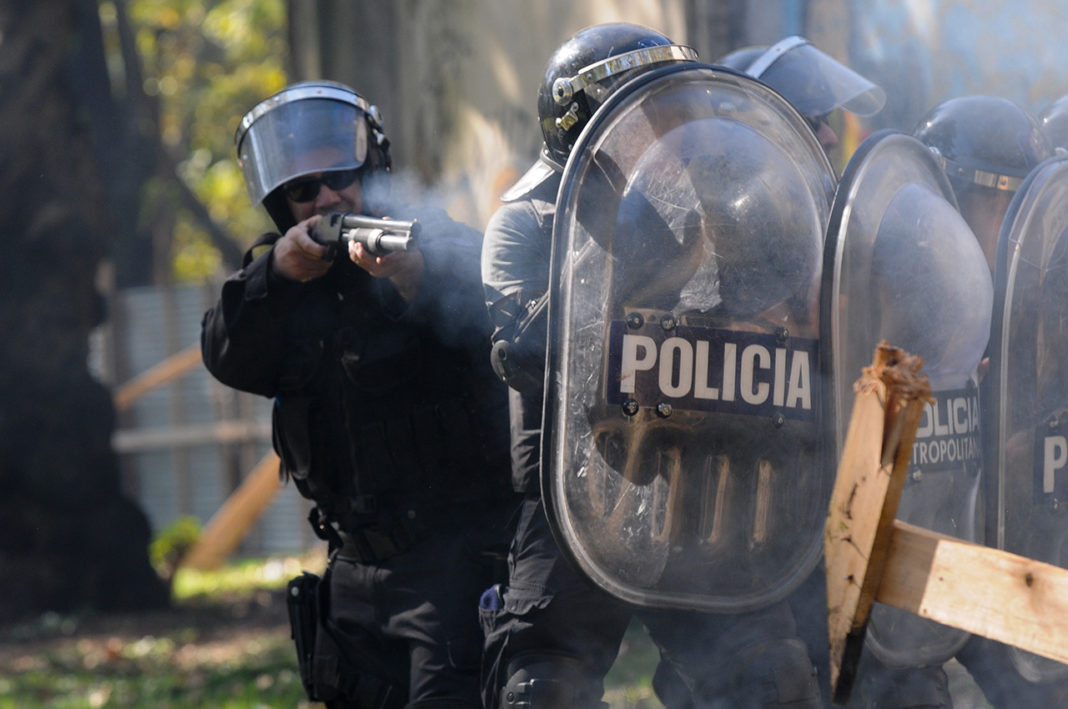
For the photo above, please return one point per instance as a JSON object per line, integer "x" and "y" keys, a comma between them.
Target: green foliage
{"x": 204, "y": 63}
{"x": 630, "y": 683}
{"x": 171, "y": 544}
{"x": 241, "y": 577}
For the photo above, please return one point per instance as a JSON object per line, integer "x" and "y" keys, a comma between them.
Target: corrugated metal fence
{"x": 188, "y": 443}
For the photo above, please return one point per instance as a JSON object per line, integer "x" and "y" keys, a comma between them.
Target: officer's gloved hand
{"x": 297, "y": 256}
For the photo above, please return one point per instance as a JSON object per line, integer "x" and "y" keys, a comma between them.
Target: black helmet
{"x": 983, "y": 140}
{"x": 586, "y": 68}
{"x": 1054, "y": 122}
{"x": 309, "y": 127}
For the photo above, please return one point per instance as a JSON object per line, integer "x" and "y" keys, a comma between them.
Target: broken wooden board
{"x": 871, "y": 557}
{"x": 171, "y": 368}
{"x": 229, "y": 525}
{"x": 989, "y": 592}
{"x": 871, "y": 474}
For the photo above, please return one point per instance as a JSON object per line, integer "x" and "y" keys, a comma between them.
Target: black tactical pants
{"x": 549, "y": 610}
{"x": 730, "y": 661}
{"x": 417, "y": 612}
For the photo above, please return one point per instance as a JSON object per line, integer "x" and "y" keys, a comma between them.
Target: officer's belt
{"x": 392, "y": 533}
{"x": 371, "y": 546}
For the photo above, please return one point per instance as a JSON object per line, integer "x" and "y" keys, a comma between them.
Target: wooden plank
{"x": 171, "y": 368}
{"x": 888, "y": 407}
{"x": 134, "y": 440}
{"x": 239, "y": 512}
{"x": 1002, "y": 596}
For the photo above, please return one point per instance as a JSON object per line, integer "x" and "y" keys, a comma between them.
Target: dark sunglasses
{"x": 305, "y": 189}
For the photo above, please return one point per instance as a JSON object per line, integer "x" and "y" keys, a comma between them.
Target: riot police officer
{"x": 551, "y": 635}
{"x": 1027, "y": 428}
{"x": 385, "y": 415}
{"x": 987, "y": 146}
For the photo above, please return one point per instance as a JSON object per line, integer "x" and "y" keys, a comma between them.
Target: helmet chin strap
{"x": 983, "y": 178}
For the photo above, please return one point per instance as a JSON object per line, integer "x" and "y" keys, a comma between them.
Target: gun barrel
{"x": 378, "y": 236}
{"x": 377, "y": 241}
{"x": 359, "y": 221}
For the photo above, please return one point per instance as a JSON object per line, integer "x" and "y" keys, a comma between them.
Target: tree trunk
{"x": 69, "y": 539}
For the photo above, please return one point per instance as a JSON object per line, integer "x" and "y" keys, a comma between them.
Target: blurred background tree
{"x": 115, "y": 127}
{"x": 180, "y": 68}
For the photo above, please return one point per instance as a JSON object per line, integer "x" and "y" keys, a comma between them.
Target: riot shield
{"x": 681, "y": 462}
{"x": 903, "y": 266}
{"x": 1029, "y": 372}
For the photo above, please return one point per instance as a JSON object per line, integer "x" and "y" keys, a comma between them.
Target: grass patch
{"x": 243, "y": 576}
{"x": 158, "y": 672}
{"x": 223, "y": 643}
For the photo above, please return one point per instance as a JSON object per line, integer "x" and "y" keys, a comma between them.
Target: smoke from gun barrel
{"x": 378, "y": 236}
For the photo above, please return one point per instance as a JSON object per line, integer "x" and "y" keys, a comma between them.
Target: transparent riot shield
{"x": 682, "y": 457}
{"x": 1029, "y": 372}
{"x": 903, "y": 266}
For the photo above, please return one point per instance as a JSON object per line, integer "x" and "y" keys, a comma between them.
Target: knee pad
{"x": 550, "y": 681}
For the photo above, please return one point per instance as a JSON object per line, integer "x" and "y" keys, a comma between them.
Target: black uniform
{"x": 387, "y": 416}
{"x": 548, "y": 614}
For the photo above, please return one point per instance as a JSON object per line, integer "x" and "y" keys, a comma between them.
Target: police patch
{"x": 948, "y": 434}
{"x": 652, "y": 364}
{"x": 1051, "y": 462}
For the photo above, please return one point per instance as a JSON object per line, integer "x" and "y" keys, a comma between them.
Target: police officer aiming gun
{"x": 386, "y": 413}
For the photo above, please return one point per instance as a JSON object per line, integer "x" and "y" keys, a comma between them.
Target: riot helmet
{"x": 580, "y": 75}
{"x": 983, "y": 140}
{"x": 986, "y": 146}
{"x": 307, "y": 128}
{"x": 586, "y": 68}
{"x": 1054, "y": 122}
{"x": 811, "y": 80}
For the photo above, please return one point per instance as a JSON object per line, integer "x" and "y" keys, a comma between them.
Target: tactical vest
{"x": 379, "y": 421}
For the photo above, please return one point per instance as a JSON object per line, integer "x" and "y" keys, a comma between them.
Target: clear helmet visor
{"x": 301, "y": 131}
{"x": 814, "y": 82}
